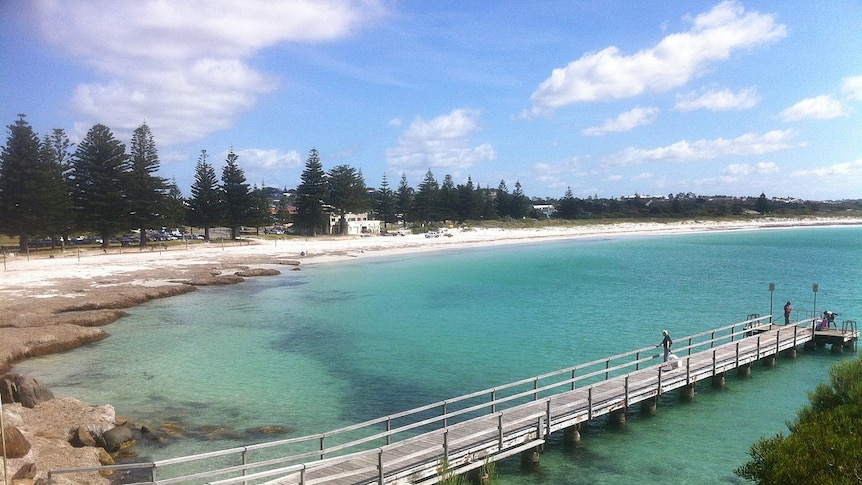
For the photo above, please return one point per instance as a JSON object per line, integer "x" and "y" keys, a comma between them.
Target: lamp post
{"x": 771, "y": 294}
{"x": 815, "y": 288}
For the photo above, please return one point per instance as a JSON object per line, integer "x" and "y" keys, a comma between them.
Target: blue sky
{"x": 610, "y": 98}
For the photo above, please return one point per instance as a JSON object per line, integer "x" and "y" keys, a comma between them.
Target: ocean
{"x": 339, "y": 343}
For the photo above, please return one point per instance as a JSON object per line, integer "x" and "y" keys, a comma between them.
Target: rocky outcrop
{"x": 25, "y": 390}
{"x": 41, "y": 438}
{"x": 249, "y": 273}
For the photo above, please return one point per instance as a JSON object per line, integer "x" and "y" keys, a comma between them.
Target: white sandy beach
{"x": 43, "y": 277}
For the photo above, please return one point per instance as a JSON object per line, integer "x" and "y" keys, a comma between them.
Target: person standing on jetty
{"x": 787, "y": 311}
{"x": 666, "y": 344}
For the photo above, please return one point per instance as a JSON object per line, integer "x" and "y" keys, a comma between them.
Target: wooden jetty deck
{"x": 468, "y": 431}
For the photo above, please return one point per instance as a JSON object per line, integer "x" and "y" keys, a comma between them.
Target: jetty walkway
{"x": 464, "y": 434}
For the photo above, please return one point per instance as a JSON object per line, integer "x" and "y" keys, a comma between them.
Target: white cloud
{"x": 717, "y": 100}
{"x": 182, "y": 66}
{"x": 852, "y": 87}
{"x": 624, "y": 122}
{"x": 738, "y": 170}
{"x": 269, "y": 160}
{"x": 441, "y": 143}
{"x": 684, "y": 151}
{"x": 849, "y": 172}
{"x": 609, "y": 74}
{"x": 823, "y": 107}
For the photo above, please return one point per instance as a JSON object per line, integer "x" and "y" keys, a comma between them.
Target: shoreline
{"x": 54, "y": 304}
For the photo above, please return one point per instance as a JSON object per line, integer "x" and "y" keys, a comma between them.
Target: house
{"x": 357, "y": 224}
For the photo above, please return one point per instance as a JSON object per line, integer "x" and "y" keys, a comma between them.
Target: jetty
{"x": 465, "y": 434}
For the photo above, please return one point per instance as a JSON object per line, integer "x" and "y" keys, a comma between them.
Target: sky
{"x": 608, "y": 98}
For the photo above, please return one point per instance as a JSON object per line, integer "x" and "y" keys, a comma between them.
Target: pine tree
{"x": 347, "y": 193}
{"x": 503, "y": 202}
{"x": 146, "y": 190}
{"x": 100, "y": 178}
{"x": 238, "y": 203}
{"x": 427, "y": 197}
{"x": 386, "y": 203}
{"x": 204, "y": 209}
{"x": 448, "y": 200}
{"x": 310, "y": 196}
{"x": 20, "y": 177}
{"x": 468, "y": 203}
{"x": 404, "y": 200}
{"x": 520, "y": 205}
{"x": 57, "y": 200}
{"x": 568, "y": 206}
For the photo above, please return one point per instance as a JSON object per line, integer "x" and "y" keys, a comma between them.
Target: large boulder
{"x": 81, "y": 436}
{"x": 117, "y": 438}
{"x": 16, "y": 443}
{"x": 30, "y": 392}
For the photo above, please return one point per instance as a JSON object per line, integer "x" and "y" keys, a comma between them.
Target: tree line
{"x": 47, "y": 189}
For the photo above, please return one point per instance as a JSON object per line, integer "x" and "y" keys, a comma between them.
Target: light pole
{"x": 771, "y": 294}
{"x": 815, "y": 288}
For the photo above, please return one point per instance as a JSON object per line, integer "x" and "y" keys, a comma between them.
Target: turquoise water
{"x": 341, "y": 343}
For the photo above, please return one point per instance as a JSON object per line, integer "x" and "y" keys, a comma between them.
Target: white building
{"x": 357, "y": 224}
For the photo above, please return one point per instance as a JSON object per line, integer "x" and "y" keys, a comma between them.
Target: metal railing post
{"x": 322, "y": 446}
{"x": 380, "y": 466}
{"x": 500, "y": 432}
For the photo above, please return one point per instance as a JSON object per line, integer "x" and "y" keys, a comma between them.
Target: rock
{"x": 117, "y": 438}
{"x": 81, "y": 437}
{"x": 17, "y": 444}
{"x": 31, "y": 392}
{"x": 249, "y": 273}
{"x": 7, "y": 388}
{"x": 105, "y": 458}
{"x": 28, "y": 471}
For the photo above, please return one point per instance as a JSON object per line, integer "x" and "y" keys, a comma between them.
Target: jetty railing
{"x": 370, "y": 439}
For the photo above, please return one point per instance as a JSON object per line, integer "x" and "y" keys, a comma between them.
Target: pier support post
{"x": 789, "y": 353}
{"x": 837, "y": 348}
{"x": 530, "y": 458}
{"x": 851, "y": 345}
{"x": 718, "y": 381}
{"x": 769, "y": 361}
{"x": 744, "y": 370}
{"x": 617, "y": 418}
{"x": 686, "y": 393}
{"x": 648, "y": 406}
{"x": 572, "y": 435}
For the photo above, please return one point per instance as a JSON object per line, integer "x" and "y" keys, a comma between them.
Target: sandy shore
{"x": 54, "y": 304}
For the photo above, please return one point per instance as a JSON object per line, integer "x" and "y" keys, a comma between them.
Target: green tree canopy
{"x": 100, "y": 183}
{"x": 146, "y": 189}
{"x": 346, "y": 193}
{"x": 825, "y": 442}
{"x": 204, "y": 205}
{"x": 20, "y": 176}
{"x": 386, "y": 203}
{"x": 311, "y": 195}
{"x": 238, "y": 201}
{"x": 404, "y": 200}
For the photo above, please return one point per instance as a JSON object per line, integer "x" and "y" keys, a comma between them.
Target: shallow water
{"x": 340, "y": 343}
